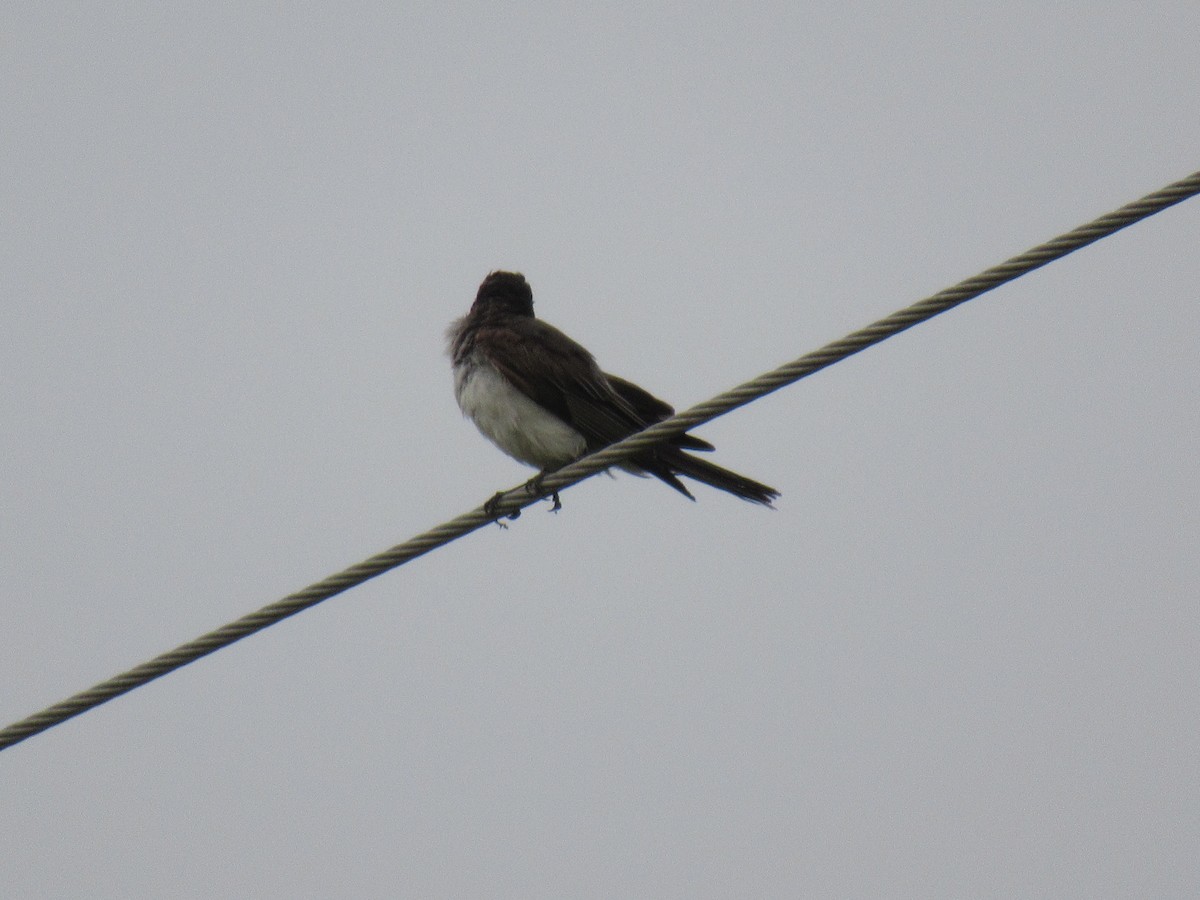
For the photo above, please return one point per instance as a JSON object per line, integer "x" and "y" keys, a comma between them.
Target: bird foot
{"x": 534, "y": 486}
{"x": 490, "y": 508}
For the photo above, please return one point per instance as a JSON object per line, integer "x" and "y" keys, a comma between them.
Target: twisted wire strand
{"x": 515, "y": 499}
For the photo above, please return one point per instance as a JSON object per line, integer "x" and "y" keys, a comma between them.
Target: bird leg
{"x": 534, "y": 486}
{"x": 490, "y": 508}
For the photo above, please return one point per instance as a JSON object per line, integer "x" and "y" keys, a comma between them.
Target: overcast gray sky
{"x": 961, "y": 658}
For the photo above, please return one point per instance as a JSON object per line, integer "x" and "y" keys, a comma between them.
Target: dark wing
{"x": 651, "y": 409}
{"x": 562, "y": 377}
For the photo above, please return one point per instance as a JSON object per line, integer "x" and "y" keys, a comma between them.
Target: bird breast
{"x": 521, "y": 428}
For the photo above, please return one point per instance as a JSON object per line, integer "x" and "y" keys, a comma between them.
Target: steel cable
{"x": 517, "y": 498}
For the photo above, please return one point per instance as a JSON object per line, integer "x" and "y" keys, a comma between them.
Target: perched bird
{"x": 541, "y": 398}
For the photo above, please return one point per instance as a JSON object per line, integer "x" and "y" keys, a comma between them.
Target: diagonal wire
{"x": 514, "y": 500}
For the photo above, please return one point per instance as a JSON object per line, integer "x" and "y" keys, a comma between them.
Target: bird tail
{"x": 677, "y": 462}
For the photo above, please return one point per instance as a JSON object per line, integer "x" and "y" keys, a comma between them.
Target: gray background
{"x": 959, "y": 661}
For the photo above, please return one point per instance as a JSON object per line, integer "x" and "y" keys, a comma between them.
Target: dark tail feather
{"x": 670, "y": 464}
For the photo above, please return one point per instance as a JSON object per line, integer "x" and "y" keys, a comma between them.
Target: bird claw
{"x": 490, "y": 508}
{"x": 534, "y": 486}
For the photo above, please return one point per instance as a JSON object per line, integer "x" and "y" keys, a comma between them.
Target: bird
{"x": 541, "y": 397}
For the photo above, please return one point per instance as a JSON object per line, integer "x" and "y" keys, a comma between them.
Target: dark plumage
{"x": 541, "y": 397}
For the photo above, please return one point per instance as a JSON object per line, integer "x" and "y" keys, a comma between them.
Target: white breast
{"x": 513, "y": 422}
